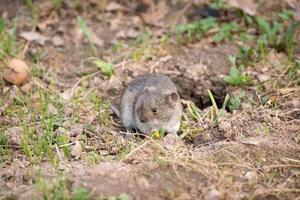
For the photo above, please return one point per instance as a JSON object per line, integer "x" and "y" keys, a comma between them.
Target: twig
{"x": 59, "y": 155}
{"x": 134, "y": 150}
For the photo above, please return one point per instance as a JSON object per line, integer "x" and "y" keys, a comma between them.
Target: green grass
{"x": 106, "y": 68}
{"x": 236, "y": 78}
{"x": 85, "y": 29}
{"x": 196, "y": 29}
{"x": 226, "y": 32}
{"x": 8, "y": 47}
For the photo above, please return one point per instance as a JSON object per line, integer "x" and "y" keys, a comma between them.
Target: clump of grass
{"x": 4, "y": 148}
{"x": 85, "y": 29}
{"x": 81, "y": 194}
{"x": 217, "y": 114}
{"x": 235, "y": 77}
{"x": 194, "y": 111}
{"x": 57, "y": 3}
{"x": 196, "y": 29}
{"x": 60, "y": 189}
{"x": 7, "y": 41}
{"x": 226, "y": 32}
{"x": 39, "y": 141}
{"x": 235, "y": 101}
{"x": 106, "y": 68}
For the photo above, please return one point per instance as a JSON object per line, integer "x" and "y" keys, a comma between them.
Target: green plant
{"x": 7, "y": 40}
{"x": 3, "y": 145}
{"x": 123, "y": 196}
{"x": 81, "y": 23}
{"x": 236, "y": 78}
{"x": 285, "y": 15}
{"x": 289, "y": 39}
{"x": 92, "y": 158}
{"x": 198, "y": 28}
{"x": 194, "y": 111}
{"x": 106, "y": 68}
{"x": 218, "y": 4}
{"x": 216, "y": 114}
{"x": 55, "y": 189}
{"x": 235, "y": 101}
{"x": 269, "y": 34}
{"x": 226, "y": 32}
{"x": 81, "y": 194}
{"x": 57, "y": 3}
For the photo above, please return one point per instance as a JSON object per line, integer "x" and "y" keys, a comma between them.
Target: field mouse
{"x": 151, "y": 102}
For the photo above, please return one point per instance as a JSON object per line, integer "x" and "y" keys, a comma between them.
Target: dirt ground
{"x": 60, "y": 136}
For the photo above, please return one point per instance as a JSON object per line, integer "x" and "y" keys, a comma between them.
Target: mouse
{"x": 151, "y": 102}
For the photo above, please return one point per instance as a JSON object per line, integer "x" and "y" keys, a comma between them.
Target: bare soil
{"x": 252, "y": 153}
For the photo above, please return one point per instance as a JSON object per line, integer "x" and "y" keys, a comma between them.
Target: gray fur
{"x": 142, "y": 96}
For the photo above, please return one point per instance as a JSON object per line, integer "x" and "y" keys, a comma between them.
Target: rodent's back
{"x": 152, "y": 80}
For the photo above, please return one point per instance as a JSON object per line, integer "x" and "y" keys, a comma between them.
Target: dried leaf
{"x": 34, "y": 37}
{"x": 156, "y": 14}
{"x": 114, "y": 6}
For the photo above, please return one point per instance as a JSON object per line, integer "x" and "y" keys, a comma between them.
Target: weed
{"x": 81, "y": 194}
{"x": 141, "y": 47}
{"x": 117, "y": 46}
{"x": 123, "y": 196}
{"x": 226, "y": 32}
{"x": 236, "y": 78}
{"x": 289, "y": 40}
{"x": 7, "y": 40}
{"x": 53, "y": 189}
{"x": 85, "y": 29}
{"x": 92, "y": 158}
{"x": 198, "y": 28}
{"x": 57, "y": 3}
{"x": 246, "y": 54}
{"x": 285, "y": 15}
{"x": 194, "y": 111}
{"x": 4, "y": 148}
{"x": 106, "y": 68}
{"x": 235, "y": 101}
{"x": 218, "y": 4}
{"x": 33, "y": 10}
{"x": 269, "y": 34}
{"x": 217, "y": 114}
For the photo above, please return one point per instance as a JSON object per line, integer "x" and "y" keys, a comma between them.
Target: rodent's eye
{"x": 154, "y": 110}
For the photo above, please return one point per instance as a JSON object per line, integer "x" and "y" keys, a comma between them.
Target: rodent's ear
{"x": 172, "y": 98}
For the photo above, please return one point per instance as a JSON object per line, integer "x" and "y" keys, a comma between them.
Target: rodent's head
{"x": 155, "y": 108}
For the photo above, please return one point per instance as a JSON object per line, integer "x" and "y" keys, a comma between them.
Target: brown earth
{"x": 252, "y": 153}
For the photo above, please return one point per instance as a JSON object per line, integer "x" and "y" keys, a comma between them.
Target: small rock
{"x": 57, "y": 41}
{"x": 170, "y": 141}
{"x": 76, "y": 150}
{"x": 14, "y": 135}
{"x": 213, "y": 194}
{"x": 76, "y": 130}
{"x": 130, "y": 33}
{"x": 225, "y": 126}
{"x": 263, "y": 77}
{"x": 143, "y": 182}
{"x": 250, "y": 175}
